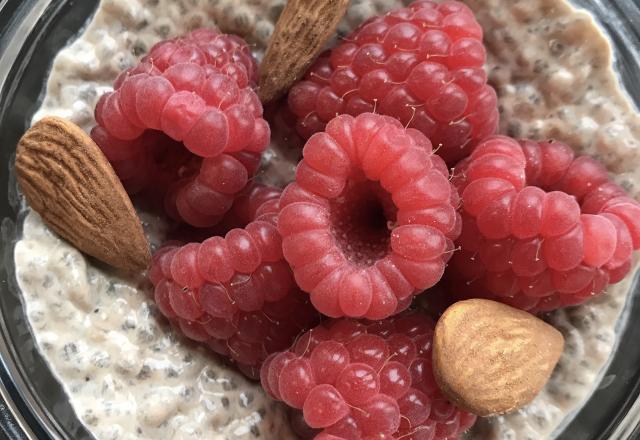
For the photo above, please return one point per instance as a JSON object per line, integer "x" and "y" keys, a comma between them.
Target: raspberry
{"x": 151, "y": 162}
{"x": 203, "y": 198}
{"x": 234, "y": 293}
{"x": 197, "y": 92}
{"x": 370, "y": 219}
{"x": 423, "y": 65}
{"x": 208, "y": 47}
{"x": 356, "y": 380}
{"x": 542, "y": 229}
{"x": 255, "y": 200}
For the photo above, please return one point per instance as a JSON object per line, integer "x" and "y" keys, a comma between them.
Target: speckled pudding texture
{"x": 129, "y": 376}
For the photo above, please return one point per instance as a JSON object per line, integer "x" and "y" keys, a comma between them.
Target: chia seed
{"x": 70, "y": 350}
{"x": 144, "y": 373}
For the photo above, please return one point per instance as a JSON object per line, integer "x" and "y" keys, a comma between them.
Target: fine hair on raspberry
{"x": 542, "y": 228}
{"x": 370, "y": 219}
{"x": 357, "y": 379}
{"x": 423, "y": 65}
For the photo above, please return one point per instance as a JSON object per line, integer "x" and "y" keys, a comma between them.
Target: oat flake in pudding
{"x": 129, "y": 376}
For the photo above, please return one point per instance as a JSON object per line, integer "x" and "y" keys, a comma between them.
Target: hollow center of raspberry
{"x": 165, "y": 158}
{"x": 167, "y": 153}
{"x": 360, "y": 220}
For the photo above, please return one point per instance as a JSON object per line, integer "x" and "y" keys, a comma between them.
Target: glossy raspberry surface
{"x": 195, "y": 94}
{"x": 370, "y": 218}
{"x": 422, "y": 64}
{"x": 234, "y": 293}
{"x": 360, "y": 380}
{"x": 542, "y": 228}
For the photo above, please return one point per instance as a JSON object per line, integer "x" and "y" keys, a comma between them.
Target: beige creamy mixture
{"x": 129, "y": 376}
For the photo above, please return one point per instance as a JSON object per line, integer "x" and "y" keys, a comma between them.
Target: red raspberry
{"x": 151, "y": 162}
{"x": 366, "y": 380}
{"x": 542, "y": 229}
{"x": 246, "y": 205}
{"x": 370, "y": 219}
{"x": 234, "y": 293}
{"x": 208, "y": 47}
{"x": 202, "y": 198}
{"x": 197, "y": 91}
{"x": 242, "y": 212}
{"x": 422, "y": 65}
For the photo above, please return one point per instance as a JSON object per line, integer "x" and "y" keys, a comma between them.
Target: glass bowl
{"x": 33, "y": 404}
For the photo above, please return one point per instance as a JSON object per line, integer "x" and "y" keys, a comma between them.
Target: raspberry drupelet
{"x": 542, "y": 228}
{"x": 235, "y": 293}
{"x": 363, "y": 380}
{"x": 423, "y": 65}
{"x": 193, "y": 93}
{"x": 370, "y": 219}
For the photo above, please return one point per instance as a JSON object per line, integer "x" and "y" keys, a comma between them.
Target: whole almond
{"x": 490, "y": 358}
{"x": 301, "y": 32}
{"x": 70, "y": 183}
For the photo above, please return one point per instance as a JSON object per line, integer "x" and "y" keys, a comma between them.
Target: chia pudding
{"x": 128, "y": 375}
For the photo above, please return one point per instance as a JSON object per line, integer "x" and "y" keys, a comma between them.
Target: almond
{"x": 490, "y": 358}
{"x": 301, "y": 32}
{"x": 70, "y": 183}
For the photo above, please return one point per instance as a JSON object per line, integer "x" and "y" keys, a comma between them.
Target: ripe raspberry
{"x": 234, "y": 293}
{"x": 255, "y": 197}
{"x": 242, "y": 212}
{"x": 208, "y": 47}
{"x": 370, "y": 219}
{"x": 366, "y": 380}
{"x": 542, "y": 229}
{"x": 422, "y": 65}
{"x": 151, "y": 162}
{"x": 197, "y": 91}
{"x": 202, "y": 198}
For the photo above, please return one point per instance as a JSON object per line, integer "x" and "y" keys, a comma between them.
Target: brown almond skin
{"x": 66, "y": 178}
{"x": 301, "y": 32}
{"x": 490, "y": 358}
